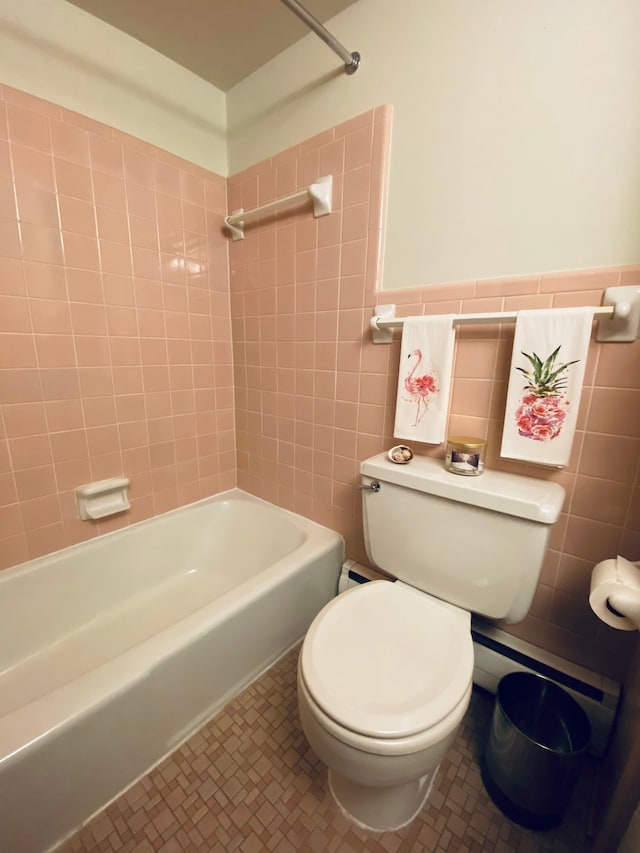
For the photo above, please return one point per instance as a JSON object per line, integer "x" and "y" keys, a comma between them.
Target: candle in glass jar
{"x": 465, "y": 455}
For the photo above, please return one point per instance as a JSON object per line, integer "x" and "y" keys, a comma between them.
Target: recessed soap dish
{"x": 102, "y": 498}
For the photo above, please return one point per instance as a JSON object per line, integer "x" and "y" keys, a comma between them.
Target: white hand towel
{"x": 424, "y": 380}
{"x": 545, "y": 382}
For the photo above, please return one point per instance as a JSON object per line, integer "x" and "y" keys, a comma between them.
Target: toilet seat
{"x": 386, "y": 661}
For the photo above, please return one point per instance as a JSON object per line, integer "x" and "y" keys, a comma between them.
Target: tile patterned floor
{"x": 248, "y": 782}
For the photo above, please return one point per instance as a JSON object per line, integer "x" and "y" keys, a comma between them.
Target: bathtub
{"x": 113, "y": 651}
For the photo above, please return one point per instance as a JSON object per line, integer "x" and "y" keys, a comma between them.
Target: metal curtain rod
{"x": 351, "y": 60}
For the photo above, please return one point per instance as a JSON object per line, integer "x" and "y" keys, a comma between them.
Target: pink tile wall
{"x": 116, "y": 350}
{"x": 314, "y": 396}
{"x": 115, "y": 333}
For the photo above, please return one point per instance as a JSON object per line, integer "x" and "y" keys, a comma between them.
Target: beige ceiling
{"x": 222, "y": 41}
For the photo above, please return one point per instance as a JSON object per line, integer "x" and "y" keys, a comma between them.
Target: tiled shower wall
{"x": 314, "y": 396}
{"x": 115, "y": 344}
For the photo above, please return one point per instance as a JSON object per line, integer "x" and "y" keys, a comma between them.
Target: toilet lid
{"x": 387, "y": 661}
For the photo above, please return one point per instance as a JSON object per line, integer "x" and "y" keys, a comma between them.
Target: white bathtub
{"x": 113, "y": 651}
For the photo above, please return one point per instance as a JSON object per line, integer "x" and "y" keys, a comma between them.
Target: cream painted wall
{"x": 59, "y": 52}
{"x": 516, "y": 125}
{"x": 516, "y": 129}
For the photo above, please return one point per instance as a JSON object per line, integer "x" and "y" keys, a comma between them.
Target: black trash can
{"x": 539, "y": 734}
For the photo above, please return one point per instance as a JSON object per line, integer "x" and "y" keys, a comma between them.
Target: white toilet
{"x": 384, "y": 676}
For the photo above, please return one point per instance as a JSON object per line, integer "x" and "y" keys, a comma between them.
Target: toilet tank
{"x": 476, "y": 542}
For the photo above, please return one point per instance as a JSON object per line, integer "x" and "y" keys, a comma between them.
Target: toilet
{"x": 385, "y": 670}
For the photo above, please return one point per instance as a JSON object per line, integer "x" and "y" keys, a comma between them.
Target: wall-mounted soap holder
{"x": 102, "y": 498}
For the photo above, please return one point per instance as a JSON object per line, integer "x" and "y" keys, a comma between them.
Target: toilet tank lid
{"x": 511, "y": 494}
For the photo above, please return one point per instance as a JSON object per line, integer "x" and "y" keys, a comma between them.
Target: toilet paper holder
{"x": 615, "y": 593}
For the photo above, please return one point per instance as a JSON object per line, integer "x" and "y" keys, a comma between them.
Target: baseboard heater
{"x": 497, "y": 653}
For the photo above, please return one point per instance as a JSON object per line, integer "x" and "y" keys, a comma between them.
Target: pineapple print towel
{"x": 424, "y": 380}
{"x": 545, "y": 383}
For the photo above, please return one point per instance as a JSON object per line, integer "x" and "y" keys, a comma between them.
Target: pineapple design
{"x": 544, "y": 407}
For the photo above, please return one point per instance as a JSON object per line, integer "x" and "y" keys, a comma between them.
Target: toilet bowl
{"x": 384, "y": 680}
{"x": 384, "y": 676}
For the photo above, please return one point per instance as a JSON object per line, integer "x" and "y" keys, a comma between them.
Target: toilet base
{"x": 381, "y": 809}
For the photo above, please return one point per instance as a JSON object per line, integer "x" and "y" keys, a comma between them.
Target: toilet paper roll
{"x": 615, "y": 593}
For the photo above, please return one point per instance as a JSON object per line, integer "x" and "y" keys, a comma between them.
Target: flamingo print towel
{"x": 545, "y": 383}
{"x": 424, "y": 381}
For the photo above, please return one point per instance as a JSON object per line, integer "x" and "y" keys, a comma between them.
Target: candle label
{"x": 465, "y": 461}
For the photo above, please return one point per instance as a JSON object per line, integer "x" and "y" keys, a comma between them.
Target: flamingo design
{"x": 419, "y": 387}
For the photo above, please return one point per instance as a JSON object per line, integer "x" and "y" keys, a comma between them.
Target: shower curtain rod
{"x": 351, "y": 60}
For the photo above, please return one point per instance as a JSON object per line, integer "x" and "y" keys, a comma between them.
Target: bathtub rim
{"x": 58, "y": 709}
{"x": 28, "y": 566}
{"x": 39, "y": 574}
